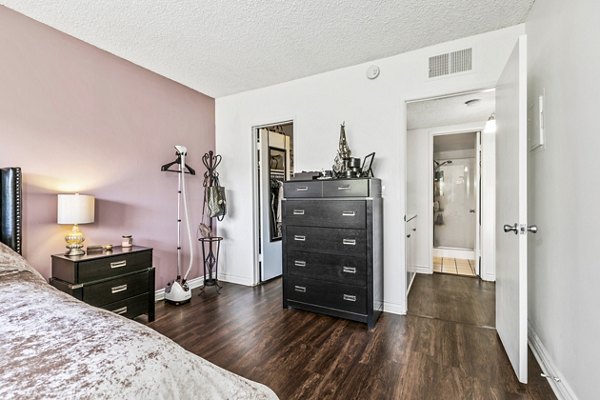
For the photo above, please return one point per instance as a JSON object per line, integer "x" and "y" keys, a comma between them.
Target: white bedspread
{"x": 54, "y": 346}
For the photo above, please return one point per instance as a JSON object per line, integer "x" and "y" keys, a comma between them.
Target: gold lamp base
{"x": 74, "y": 241}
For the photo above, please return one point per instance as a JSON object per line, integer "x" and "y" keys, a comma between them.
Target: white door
{"x": 511, "y": 209}
{"x": 270, "y": 251}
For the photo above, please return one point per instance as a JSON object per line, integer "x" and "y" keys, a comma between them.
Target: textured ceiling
{"x": 221, "y": 47}
{"x": 450, "y": 110}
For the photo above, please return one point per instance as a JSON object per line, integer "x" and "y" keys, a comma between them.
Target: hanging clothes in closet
{"x": 276, "y": 198}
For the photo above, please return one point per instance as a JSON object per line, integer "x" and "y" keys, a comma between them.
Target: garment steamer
{"x": 177, "y": 291}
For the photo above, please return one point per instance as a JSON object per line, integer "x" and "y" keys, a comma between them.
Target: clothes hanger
{"x": 189, "y": 169}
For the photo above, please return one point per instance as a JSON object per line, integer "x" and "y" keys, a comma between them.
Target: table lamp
{"x": 75, "y": 209}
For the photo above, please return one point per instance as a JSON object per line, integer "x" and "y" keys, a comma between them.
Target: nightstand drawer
{"x": 113, "y": 266}
{"x": 329, "y": 267}
{"x": 130, "y": 307}
{"x": 334, "y": 214}
{"x": 326, "y": 240}
{"x": 324, "y": 294}
{"x": 117, "y": 289}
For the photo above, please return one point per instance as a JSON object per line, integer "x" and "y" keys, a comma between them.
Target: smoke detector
{"x": 372, "y": 72}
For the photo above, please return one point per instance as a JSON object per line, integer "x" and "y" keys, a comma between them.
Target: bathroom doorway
{"x": 451, "y": 185}
{"x": 456, "y": 203}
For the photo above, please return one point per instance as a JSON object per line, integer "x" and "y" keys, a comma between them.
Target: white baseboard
{"x": 423, "y": 269}
{"x": 412, "y": 280}
{"x": 192, "y": 283}
{"x": 488, "y": 277}
{"x": 394, "y": 308}
{"x": 237, "y": 279}
{"x": 561, "y": 389}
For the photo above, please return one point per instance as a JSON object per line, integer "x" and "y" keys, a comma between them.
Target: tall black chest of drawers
{"x": 333, "y": 247}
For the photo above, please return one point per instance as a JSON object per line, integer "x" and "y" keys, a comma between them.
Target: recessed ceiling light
{"x": 472, "y": 102}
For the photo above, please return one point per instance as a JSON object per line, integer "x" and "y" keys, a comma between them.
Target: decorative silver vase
{"x": 339, "y": 167}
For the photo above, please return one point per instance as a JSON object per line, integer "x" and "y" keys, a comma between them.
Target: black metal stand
{"x": 211, "y": 176}
{"x": 209, "y": 255}
{"x": 211, "y": 261}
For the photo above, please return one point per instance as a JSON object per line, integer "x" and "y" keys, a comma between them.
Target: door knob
{"x": 472, "y": 211}
{"x": 511, "y": 228}
{"x": 532, "y": 228}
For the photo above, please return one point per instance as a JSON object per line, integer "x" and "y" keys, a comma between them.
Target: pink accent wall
{"x": 78, "y": 119}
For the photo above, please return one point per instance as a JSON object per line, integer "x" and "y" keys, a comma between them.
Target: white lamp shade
{"x": 75, "y": 209}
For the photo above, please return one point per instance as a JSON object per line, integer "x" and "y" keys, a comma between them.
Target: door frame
{"x": 475, "y": 128}
{"x": 256, "y": 189}
{"x": 488, "y": 192}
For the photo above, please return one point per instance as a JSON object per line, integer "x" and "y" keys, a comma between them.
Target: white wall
{"x": 419, "y": 147}
{"x": 374, "y": 111}
{"x": 564, "y": 191}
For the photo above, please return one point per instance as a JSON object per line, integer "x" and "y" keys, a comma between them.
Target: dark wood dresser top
{"x": 116, "y": 251}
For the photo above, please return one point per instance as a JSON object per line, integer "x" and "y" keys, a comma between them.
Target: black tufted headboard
{"x": 10, "y": 208}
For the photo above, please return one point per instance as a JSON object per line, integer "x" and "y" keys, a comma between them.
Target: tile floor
{"x": 455, "y": 266}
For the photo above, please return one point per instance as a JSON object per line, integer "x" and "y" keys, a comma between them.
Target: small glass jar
{"x": 127, "y": 241}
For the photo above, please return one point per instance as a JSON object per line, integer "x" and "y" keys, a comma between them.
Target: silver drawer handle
{"x": 298, "y": 212}
{"x": 117, "y": 289}
{"x": 118, "y": 264}
{"x": 299, "y": 263}
{"x": 120, "y": 311}
{"x": 348, "y": 213}
{"x": 347, "y": 187}
{"x": 300, "y": 289}
{"x": 349, "y": 297}
{"x": 349, "y": 270}
{"x": 300, "y": 238}
{"x": 349, "y": 242}
{"x": 302, "y": 188}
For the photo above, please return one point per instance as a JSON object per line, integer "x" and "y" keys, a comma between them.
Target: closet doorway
{"x": 275, "y": 164}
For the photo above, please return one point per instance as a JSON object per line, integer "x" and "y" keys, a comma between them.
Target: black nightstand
{"x": 121, "y": 280}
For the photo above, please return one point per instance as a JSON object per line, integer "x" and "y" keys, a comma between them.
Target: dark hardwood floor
{"x": 302, "y": 355}
{"x": 467, "y": 300}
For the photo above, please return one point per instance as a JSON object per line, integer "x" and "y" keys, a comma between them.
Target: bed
{"x": 54, "y": 346}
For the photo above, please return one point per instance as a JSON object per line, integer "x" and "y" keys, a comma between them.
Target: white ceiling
{"x": 451, "y": 110}
{"x": 221, "y": 47}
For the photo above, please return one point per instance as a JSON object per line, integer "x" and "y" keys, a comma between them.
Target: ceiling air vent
{"x": 438, "y": 65}
{"x": 451, "y": 63}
